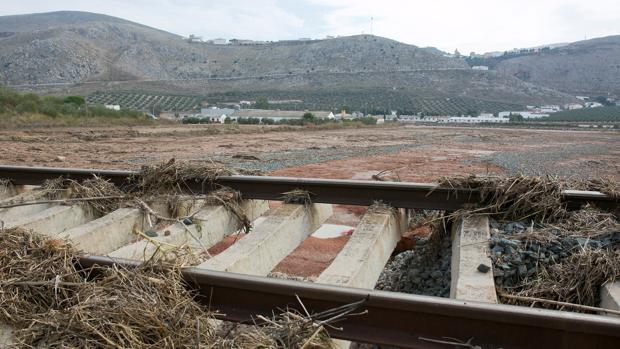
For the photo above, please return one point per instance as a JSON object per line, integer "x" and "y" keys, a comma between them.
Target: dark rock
{"x": 522, "y": 270}
{"x": 436, "y": 274}
{"x": 188, "y": 221}
{"x": 150, "y": 233}
{"x": 497, "y": 249}
{"x": 508, "y": 243}
{"x": 483, "y": 268}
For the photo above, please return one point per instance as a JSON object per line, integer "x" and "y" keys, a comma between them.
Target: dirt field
{"x": 410, "y": 153}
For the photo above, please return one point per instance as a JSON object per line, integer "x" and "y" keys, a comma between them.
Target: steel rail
{"x": 347, "y": 192}
{"x": 396, "y": 319}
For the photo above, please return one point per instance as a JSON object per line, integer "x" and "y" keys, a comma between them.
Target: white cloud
{"x": 478, "y": 25}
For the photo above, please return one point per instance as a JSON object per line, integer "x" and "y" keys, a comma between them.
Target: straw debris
{"x": 546, "y": 255}
{"x": 51, "y": 304}
{"x": 177, "y": 177}
{"x": 523, "y": 197}
{"x": 575, "y": 280}
{"x": 96, "y": 187}
{"x": 298, "y": 197}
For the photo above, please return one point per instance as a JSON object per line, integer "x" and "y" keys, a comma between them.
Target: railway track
{"x": 234, "y": 282}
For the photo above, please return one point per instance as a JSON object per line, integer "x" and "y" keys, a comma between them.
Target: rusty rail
{"x": 397, "y": 319}
{"x": 347, "y": 192}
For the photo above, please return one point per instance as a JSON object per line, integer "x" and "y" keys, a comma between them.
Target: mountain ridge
{"x": 80, "y": 47}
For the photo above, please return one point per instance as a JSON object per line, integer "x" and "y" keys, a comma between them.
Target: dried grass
{"x": 51, "y": 304}
{"x": 111, "y": 197}
{"x": 54, "y": 189}
{"x": 576, "y": 280}
{"x": 523, "y": 197}
{"x": 298, "y": 197}
{"x": 178, "y": 177}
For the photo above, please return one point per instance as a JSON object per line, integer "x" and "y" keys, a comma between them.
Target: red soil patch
{"x": 409, "y": 165}
{"x": 346, "y": 214}
{"x": 224, "y": 244}
{"x": 407, "y": 241}
{"x": 310, "y": 258}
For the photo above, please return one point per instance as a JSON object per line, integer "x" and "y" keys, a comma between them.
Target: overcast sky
{"x": 474, "y": 25}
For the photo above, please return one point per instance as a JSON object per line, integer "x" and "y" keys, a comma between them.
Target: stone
{"x": 150, "y": 233}
{"x": 497, "y": 249}
{"x": 483, "y": 268}
{"x": 522, "y": 270}
{"x": 436, "y": 274}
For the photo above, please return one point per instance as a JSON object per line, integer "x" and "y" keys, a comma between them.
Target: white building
{"x": 573, "y": 106}
{"x": 218, "y": 41}
{"x": 549, "y": 109}
{"x": 214, "y": 114}
{"x": 524, "y": 114}
{"x": 418, "y": 118}
{"x": 194, "y": 38}
{"x": 480, "y": 67}
{"x": 112, "y": 106}
{"x": 593, "y": 104}
{"x": 477, "y": 120}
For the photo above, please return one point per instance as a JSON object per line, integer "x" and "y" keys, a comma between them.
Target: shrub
{"x": 77, "y": 100}
{"x": 191, "y": 120}
{"x": 27, "y": 106}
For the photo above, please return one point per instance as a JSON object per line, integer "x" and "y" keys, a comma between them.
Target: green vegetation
{"x": 14, "y": 104}
{"x": 261, "y": 103}
{"x": 515, "y": 118}
{"x": 587, "y": 114}
{"x": 377, "y": 102}
{"x": 143, "y": 101}
{"x": 307, "y": 119}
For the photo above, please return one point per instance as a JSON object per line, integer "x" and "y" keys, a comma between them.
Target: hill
{"x": 590, "y": 67}
{"x": 99, "y": 52}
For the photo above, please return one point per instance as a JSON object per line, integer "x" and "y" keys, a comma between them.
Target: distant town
{"x": 255, "y": 112}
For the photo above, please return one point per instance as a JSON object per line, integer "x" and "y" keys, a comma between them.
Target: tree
{"x": 77, "y": 100}
{"x": 308, "y": 117}
{"x": 261, "y": 103}
{"x": 516, "y": 118}
{"x": 603, "y": 100}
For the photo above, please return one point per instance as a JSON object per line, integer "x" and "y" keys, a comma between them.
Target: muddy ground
{"x": 411, "y": 153}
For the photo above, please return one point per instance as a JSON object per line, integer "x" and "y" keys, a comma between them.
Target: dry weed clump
{"x": 297, "y": 196}
{"x": 523, "y": 197}
{"x": 177, "y": 177}
{"x": 576, "y": 280}
{"x": 52, "y": 304}
{"x": 107, "y": 196}
{"x": 583, "y": 240}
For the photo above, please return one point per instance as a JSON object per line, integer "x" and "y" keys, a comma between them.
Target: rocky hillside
{"x": 108, "y": 52}
{"x": 76, "y": 47}
{"x": 590, "y": 67}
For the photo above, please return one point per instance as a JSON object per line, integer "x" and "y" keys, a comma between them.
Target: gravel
{"x": 425, "y": 270}
{"x": 299, "y": 157}
{"x": 549, "y": 160}
{"x": 514, "y": 259}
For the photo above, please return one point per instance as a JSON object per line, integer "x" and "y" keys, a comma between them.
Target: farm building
{"x": 278, "y": 115}
{"x": 215, "y": 114}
